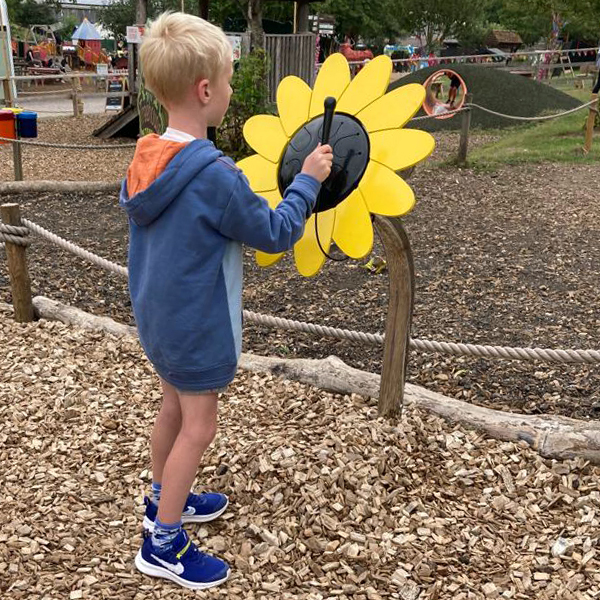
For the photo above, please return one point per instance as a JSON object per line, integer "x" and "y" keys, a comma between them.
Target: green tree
{"x": 117, "y": 15}
{"x": 68, "y": 25}
{"x": 533, "y": 20}
{"x": 435, "y": 20}
{"x": 370, "y": 19}
{"x": 29, "y": 12}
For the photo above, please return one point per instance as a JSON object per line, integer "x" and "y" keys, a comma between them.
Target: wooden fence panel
{"x": 290, "y": 55}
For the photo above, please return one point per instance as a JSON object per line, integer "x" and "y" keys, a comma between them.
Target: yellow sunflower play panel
{"x": 369, "y": 145}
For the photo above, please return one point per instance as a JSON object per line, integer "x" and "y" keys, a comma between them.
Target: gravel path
{"x": 327, "y": 501}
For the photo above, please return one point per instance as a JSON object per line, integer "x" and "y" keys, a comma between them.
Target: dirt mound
{"x": 497, "y": 90}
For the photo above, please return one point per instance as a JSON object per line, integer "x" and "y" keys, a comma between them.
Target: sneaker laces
{"x": 197, "y": 499}
{"x": 193, "y": 554}
{"x": 196, "y": 556}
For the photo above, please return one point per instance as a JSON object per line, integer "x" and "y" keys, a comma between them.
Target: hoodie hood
{"x": 158, "y": 173}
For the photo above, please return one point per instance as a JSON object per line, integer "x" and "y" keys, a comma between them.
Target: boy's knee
{"x": 200, "y": 434}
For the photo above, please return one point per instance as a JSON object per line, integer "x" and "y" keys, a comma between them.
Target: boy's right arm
{"x": 249, "y": 219}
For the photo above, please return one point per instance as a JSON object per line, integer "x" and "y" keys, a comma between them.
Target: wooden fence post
{"x": 77, "y": 102}
{"x": 20, "y": 283}
{"x": 17, "y": 160}
{"x": 589, "y": 126}
{"x": 400, "y": 265}
{"x": 463, "y": 146}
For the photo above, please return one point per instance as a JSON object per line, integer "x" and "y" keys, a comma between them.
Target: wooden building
{"x": 507, "y": 41}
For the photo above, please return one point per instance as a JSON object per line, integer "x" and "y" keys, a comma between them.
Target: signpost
{"x": 115, "y": 85}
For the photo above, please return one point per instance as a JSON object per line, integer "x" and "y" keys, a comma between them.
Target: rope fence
{"x": 542, "y": 118}
{"x": 69, "y": 146}
{"x": 19, "y": 235}
{"x": 541, "y": 58}
{"x": 463, "y": 109}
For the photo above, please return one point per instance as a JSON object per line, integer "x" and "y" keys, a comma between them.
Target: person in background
{"x": 453, "y": 91}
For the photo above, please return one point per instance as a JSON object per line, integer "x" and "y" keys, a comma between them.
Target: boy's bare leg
{"x": 198, "y": 429}
{"x": 166, "y": 429}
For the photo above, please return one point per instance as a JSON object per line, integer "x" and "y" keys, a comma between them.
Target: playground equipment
{"x": 355, "y": 55}
{"x": 363, "y": 125}
{"x": 89, "y": 45}
{"x": 42, "y": 42}
{"x": 434, "y": 90}
{"x": 369, "y": 147}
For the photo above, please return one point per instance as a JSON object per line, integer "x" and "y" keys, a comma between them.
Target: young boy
{"x": 190, "y": 209}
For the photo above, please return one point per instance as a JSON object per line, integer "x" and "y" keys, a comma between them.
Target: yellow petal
{"x": 353, "y": 231}
{"x": 308, "y": 254}
{"x": 384, "y": 192}
{"x": 261, "y": 173}
{"x": 262, "y": 258}
{"x": 401, "y": 148}
{"x": 267, "y": 260}
{"x": 394, "y": 109}
{"x": 266, "y": 136}
{"x": 370, "y": 84}
{"x": 293, "y": 102}
{"x": 332, "y": 80}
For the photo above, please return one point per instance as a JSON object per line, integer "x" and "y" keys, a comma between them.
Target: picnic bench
{"x": 44, "y": 71}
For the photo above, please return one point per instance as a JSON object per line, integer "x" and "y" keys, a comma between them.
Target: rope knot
{"x": 14, "y": 235}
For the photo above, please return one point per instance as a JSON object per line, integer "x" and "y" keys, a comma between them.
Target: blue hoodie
{"x": 190, "y": 210}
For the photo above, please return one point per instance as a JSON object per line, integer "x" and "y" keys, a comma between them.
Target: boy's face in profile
{"x": 221, "y": 95}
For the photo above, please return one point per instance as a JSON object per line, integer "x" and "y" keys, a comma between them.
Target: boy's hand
{"x": 318, "y": 163}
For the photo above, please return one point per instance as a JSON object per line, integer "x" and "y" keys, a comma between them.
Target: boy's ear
{"x": 203, "y": 91}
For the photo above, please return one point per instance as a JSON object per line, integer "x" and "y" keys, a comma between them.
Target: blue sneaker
{"x": 199, "y": 508}
{"x": 183, "y": 563}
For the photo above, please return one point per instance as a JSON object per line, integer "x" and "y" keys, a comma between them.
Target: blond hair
{"x": 177, "y": 51}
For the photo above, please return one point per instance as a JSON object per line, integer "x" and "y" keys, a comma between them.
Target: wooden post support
{"x": 131, "y": 72}
{"x": 401, "y": 271}
{"x": 77, "y": 102}
{"x": 463, "y": 147}
{"x": 589, "y": 126}
{"x": 17, "y": 268}
{"x": 17, "y": 161}
{"x": 6, "y": 88}
{"x": 74, "y": 96}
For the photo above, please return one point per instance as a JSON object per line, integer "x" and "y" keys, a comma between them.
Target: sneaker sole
{"x": 149, "y": 525}
{"x": 156, "y": 571}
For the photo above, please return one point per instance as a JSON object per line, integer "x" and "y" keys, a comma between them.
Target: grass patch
{"x": 558, "y": 140}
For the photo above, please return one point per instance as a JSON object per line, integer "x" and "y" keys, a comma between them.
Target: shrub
{"x": 250, "y": 97}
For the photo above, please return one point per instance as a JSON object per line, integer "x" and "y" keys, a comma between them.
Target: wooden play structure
{"x": 353, "y": 55}
{"x": 434, "y": 104}
{"x": 89, "y": 45}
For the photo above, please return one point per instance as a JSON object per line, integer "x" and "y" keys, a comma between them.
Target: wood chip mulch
{"x": 327, "y": 501}
{"x": 507, "y": 257}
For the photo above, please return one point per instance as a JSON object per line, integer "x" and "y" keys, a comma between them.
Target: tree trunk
{"x": 23, "y": 187}
{"x": 141, "y": 12}
{"x": 551, "y": 435}
{"x": 203, "y": 9}
{"x": 257, "y": 35}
